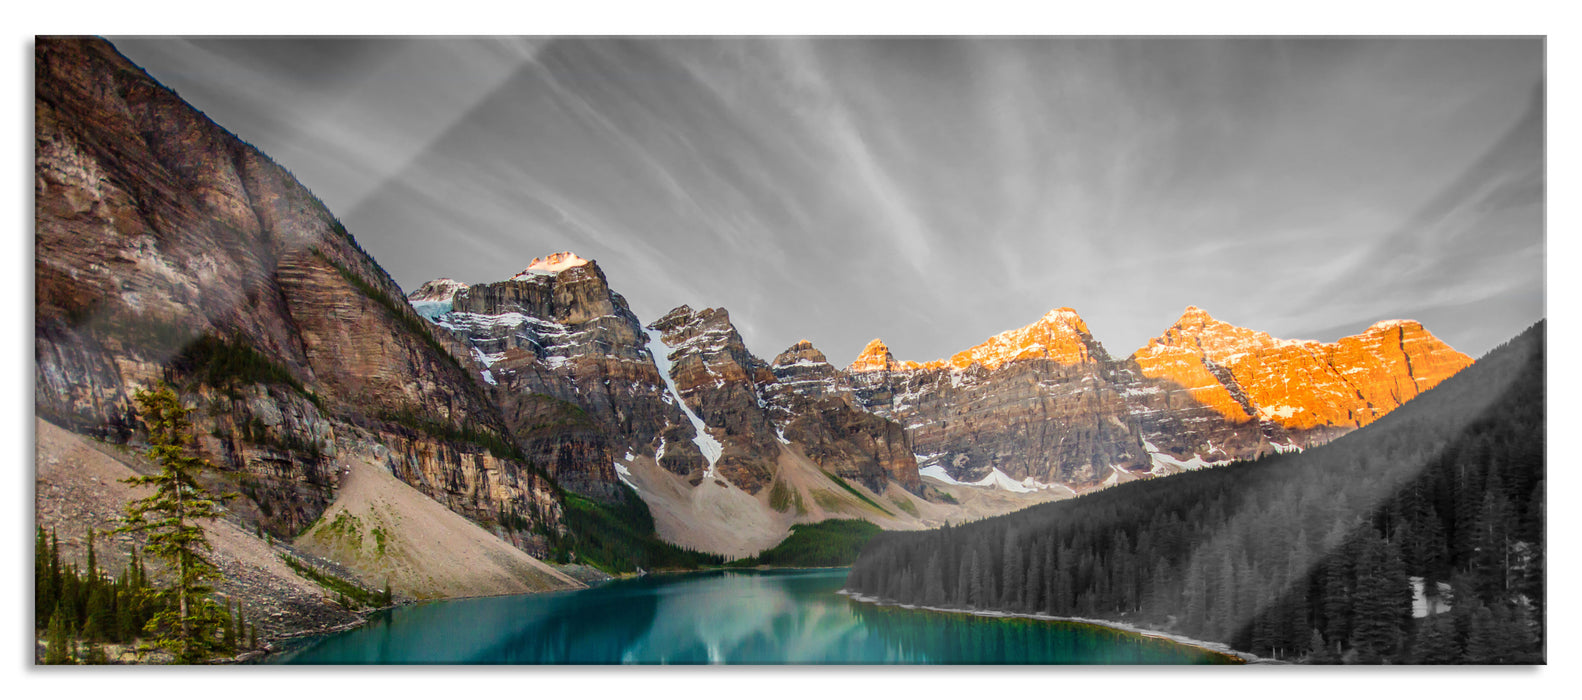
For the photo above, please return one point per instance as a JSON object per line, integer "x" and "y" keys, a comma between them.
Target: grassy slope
{"x": 825, "y": 543}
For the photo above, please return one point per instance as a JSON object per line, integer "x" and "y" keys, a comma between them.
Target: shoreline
{"x": 1246, "y": 658}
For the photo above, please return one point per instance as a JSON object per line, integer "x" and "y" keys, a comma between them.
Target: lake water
{"x": 748, "y": 617}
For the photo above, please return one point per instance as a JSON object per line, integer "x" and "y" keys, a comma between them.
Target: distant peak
{"x": 442, "y": 289}
{"x": 875, "y": 357}
{"x": 802, "y": 352}
{"x": 1061, "y": 335}
{"x": 554, "y": 264}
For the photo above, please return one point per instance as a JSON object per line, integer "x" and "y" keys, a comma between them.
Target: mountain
{"x": 1300, "y": 385}
{"x": 1351, "y": 551}
{"x": 1046, "y": 406}
{"x": 567, "y": 363}
{"x": 166, "y": 249}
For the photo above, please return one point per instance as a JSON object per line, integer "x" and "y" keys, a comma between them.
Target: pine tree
{"x": 1435, "y": 641}
{"x": 93, "y": 561}
{"x": 101, "y": 612}
{"x": 1483, "y": 638}
{"x": 229, "y": 632}
{"x": 975, "y": 583}
{"x": 171, "y": 517}
{"x": 59, "y": 639}
{"x": 94, "y": 654}
{"x": 45, "y": 580}
{"x": 1319, "y": 651}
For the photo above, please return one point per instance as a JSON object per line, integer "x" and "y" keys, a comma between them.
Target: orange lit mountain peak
{"x": 1060, "y": 335}
{"x": 875, "y": 357}
{"x": 1299, "y": 384}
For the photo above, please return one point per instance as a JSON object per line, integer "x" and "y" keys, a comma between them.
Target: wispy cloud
{"x": 932, "y": 191}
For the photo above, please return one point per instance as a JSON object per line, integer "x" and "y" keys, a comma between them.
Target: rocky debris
{"x": 381, "y": 529}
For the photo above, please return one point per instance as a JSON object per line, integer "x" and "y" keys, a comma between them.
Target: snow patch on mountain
{"x": 625, "y": 475}
{"x": 706, "y": 443}
{"x": 553, "y": 265}
{"x": 431, "y": 310}
{"x": 937, "y": 471}
{"x": 998, "y": 479}
{"x": 1163, "y": 461}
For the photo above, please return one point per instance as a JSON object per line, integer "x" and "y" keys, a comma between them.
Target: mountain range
{"x": 167, "y": 249}
{"x": 1039, "y": 407}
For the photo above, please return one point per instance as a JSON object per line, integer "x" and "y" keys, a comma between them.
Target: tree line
{"x": 1417, "y": 539}
{"x": 78, "y": 612}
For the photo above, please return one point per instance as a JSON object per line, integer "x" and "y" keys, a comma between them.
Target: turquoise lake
{"x": 747, "y": 617}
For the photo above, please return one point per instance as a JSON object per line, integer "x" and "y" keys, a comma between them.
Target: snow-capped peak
{"x": 435, "y": 297}
{"x": 1064, "y": 315}
{"x": 442, "y": 289}
{"x": 554, "y": 264}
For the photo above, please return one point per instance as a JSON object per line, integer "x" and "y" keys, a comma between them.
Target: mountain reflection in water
{"x": 747, "y": 617}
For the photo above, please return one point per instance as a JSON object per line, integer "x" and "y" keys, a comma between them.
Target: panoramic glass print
{"x": 417, "y": 350}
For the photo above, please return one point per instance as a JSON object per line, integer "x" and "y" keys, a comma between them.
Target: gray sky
{"x": 929, "y": 192}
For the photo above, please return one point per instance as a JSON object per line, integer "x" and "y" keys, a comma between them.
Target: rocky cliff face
{"x": 813, "y": 408}
{"x": 166, "y": 248}
{"x": 718, "y": 379}
{"x": 1034, "y": 419}
{"x": 569, "y": 365}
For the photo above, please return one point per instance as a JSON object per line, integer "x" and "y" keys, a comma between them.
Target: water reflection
{"x": 786, "y": 617}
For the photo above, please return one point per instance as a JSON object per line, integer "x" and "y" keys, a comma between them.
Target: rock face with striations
{"x": 166, "y": 248}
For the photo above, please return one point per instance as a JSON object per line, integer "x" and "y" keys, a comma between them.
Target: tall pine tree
{"x": 171, "y": 515}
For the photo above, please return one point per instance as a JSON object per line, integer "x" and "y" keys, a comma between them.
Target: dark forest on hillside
{"x": 1311, "y": 556}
